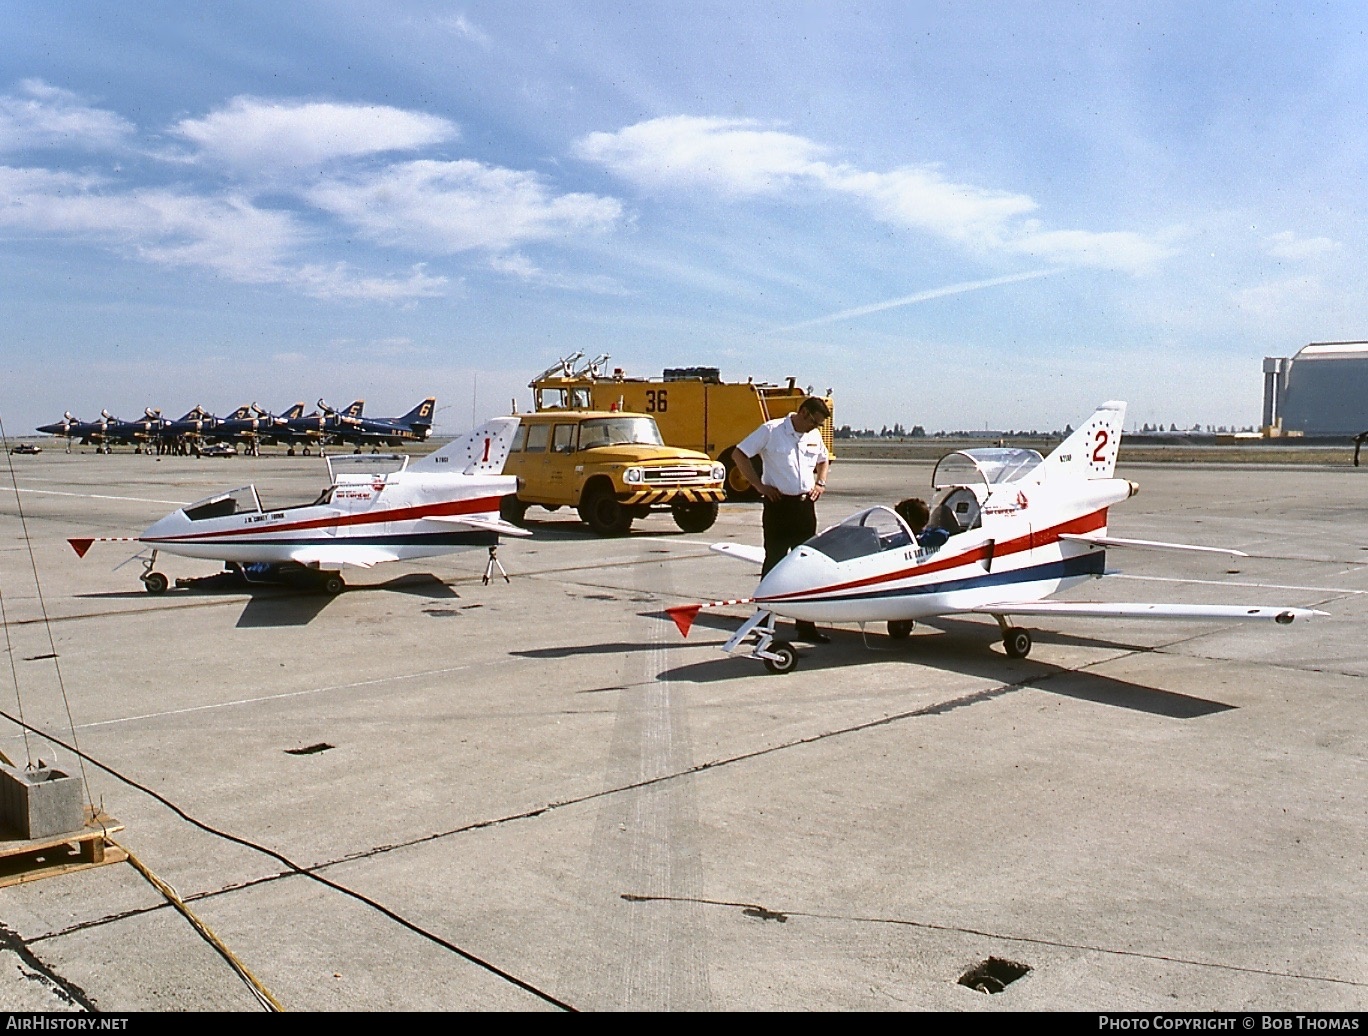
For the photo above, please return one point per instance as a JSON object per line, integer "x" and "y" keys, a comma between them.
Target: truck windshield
{"x": 619, "y": 431}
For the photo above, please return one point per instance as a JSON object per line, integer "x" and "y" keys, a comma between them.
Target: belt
{"x": 785, "y": 496}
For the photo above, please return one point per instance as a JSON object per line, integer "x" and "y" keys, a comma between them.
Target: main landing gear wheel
{"x": 900, "y": 629}
{"x": 785, "y": 660}
{"x": 1017, "y": 641}
{"x": 333, "y": 584}
{"x": 155, "y": 582}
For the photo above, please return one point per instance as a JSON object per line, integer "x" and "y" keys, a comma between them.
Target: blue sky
{"x": 949, "y": 214}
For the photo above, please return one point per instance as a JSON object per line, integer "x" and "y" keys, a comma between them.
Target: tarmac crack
{"x": 41, "y": 973}
{"x": 766, "y": 913}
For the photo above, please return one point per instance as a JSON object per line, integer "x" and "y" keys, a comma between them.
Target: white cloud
{"x": 227, "y": 235}
{"x": 1108, "y": 250}
{"x": 339, "y": 282}
{"x": 254, "y": 134}
{"x": 459, "y": 206}
{"x": 517, "y": 265}
{"x": 732, "y": 156}
{"x": 1288, "y": 245}
{"x": 921, "y": 199}
{"x": 1271, "y": 304}
{"x": 39, "y": 115}
{"x": 738, "y": 158}
{"x": 467, "y": 30}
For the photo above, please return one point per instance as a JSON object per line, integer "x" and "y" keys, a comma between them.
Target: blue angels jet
{"x": 108, "y": 431}
{"x": 415, "y": 426}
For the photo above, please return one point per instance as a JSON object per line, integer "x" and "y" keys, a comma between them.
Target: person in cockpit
{"x": 916, "y": 514}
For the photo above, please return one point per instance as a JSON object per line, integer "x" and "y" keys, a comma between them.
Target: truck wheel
{"x": 512, "y": 510}
{"x": 604, "y": 513}
{"x": 694, "y": 517}
{"x": 738, "y": 489}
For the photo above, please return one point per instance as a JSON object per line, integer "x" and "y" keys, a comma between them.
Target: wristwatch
{"x": 821, "y": 483}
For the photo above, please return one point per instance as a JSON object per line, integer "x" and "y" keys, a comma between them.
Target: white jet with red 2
{"x": 1022, "y": 528}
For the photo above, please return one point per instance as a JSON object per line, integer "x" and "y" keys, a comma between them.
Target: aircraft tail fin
{"x": 421, "y": 415}
{"x": 1091, "y": 451}
{"x": 295, "y": 411}
{"x": 480, "y": 452}
{"x": 355, "y": 409}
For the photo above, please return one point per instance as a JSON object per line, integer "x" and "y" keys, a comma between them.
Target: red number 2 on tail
{"x": 1102, "y": 440}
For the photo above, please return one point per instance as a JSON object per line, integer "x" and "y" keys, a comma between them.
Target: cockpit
{"x": 964, "y": 481}
{"x": 344, "y": 470}
{"x": 869, "y": 532}
{"x": 224, "y": 505}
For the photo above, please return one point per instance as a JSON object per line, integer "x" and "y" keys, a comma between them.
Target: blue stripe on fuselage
{"x": 1091, "y": 563}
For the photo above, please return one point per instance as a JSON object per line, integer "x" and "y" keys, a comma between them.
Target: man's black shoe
{"x": 809, "y": 634}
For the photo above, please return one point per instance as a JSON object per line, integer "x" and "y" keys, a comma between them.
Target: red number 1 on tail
{"x": 485, "y": 458}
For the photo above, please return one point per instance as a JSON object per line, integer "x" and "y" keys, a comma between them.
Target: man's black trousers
{"x": 787, "y": 522}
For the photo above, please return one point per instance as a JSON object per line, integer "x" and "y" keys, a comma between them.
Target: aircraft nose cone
{"x": 803, "y": 570}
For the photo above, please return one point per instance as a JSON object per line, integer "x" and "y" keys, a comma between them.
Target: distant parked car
{"x": 219, "y": 449}
{"x": 26, "y": 447}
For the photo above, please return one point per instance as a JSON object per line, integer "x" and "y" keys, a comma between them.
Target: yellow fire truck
{"x": 693, "y": 407}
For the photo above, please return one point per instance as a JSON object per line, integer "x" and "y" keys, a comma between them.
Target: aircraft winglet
{"x": 684, "y": 614}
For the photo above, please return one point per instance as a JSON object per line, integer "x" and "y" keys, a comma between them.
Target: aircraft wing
{"x": 1114, "y": 541}
{"x": 479, "y": 524}
{"x": 755, "y": 555}
{"x": 1192, "y": 612}
{"x": 357, "y": 556}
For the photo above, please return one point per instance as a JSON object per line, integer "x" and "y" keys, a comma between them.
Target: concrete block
{"x": 40, "y": 803}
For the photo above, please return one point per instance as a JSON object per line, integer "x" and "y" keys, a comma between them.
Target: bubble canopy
{"x": 988, "y": 467}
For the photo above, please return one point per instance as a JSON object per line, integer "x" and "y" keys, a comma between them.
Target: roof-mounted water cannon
{"x": 563, "y": 366}
{"x": 594, "y": 368}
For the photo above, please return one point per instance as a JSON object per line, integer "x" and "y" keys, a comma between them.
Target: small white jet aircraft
{"x": 1022, "y": 527}
{"x": 446, "y": 502}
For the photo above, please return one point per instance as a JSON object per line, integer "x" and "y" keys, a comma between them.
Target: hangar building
{"x": 1322, "y": 390}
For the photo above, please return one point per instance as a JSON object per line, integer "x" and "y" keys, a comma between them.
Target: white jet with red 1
{"x": 1022, "y": 528}
{"x": 375, "y": 508}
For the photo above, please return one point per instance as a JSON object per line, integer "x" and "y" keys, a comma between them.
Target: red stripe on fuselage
{"x": 1075, "y": 526}
{"x": 398, "y": 514}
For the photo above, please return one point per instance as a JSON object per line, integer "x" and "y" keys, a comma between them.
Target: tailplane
{"x": 1091, "y": 451}
{"x": 481, "y": 452}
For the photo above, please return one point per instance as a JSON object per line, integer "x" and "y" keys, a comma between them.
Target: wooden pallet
{"x": 28, "y": 859}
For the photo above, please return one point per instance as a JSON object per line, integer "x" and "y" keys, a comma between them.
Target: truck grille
{"x": 675, "y": 476}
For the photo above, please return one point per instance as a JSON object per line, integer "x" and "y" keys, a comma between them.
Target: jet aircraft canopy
{"x": 865, "y": 532}
{"x": 985, "y": 467}
{"x": 222, "y": 505}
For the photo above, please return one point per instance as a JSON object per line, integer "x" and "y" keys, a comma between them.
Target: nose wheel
{"x": 154, "y": 582}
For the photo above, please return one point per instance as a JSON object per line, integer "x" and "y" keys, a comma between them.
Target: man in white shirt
{"x": 794, "y": 463}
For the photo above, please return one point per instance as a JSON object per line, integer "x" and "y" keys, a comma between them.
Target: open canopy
{"x": 985, "y": 467}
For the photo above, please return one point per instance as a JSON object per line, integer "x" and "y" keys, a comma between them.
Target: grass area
{"x": 1132, "y": 451}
